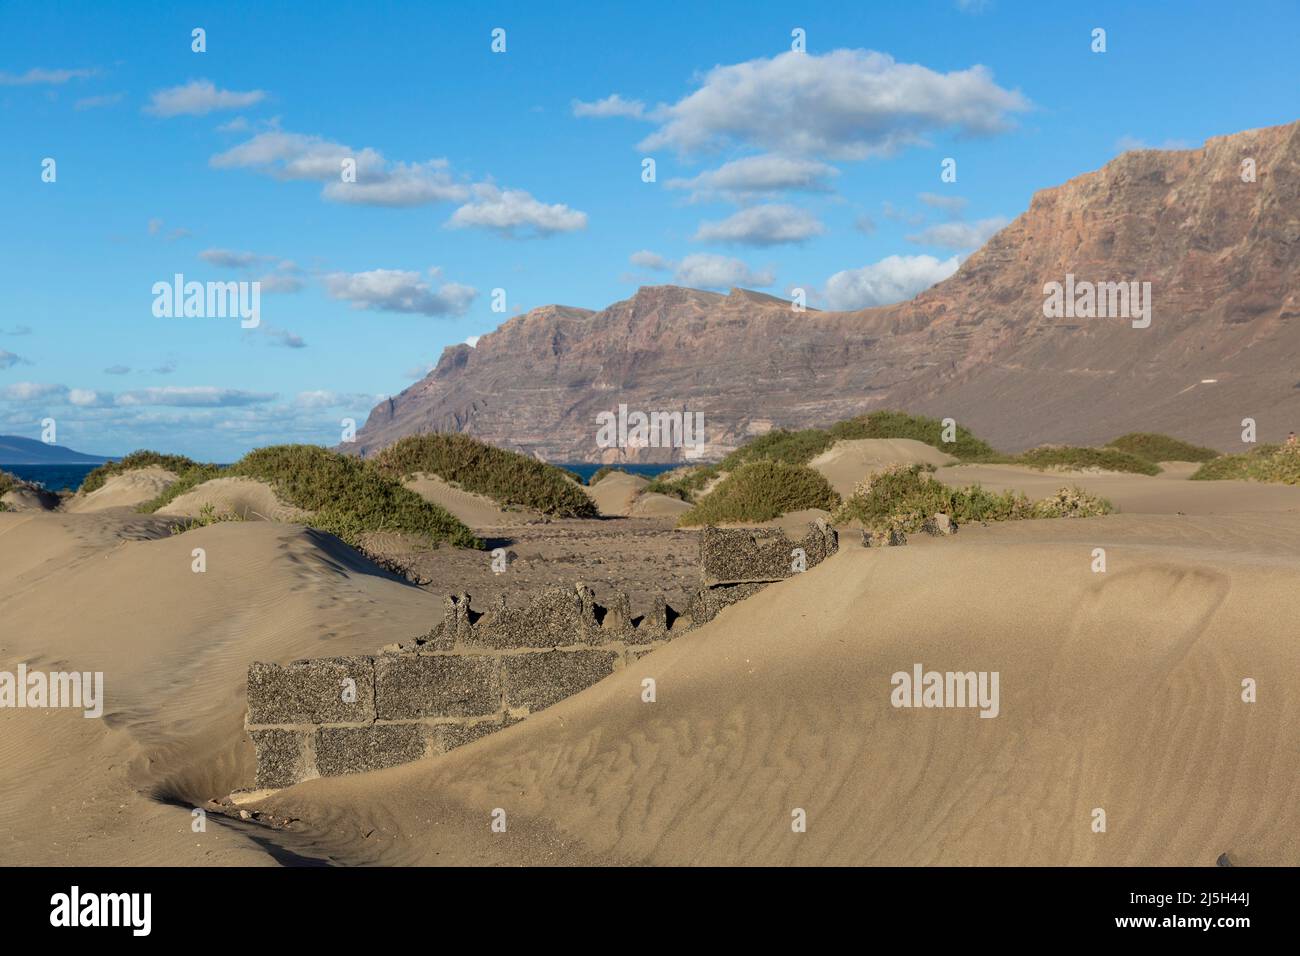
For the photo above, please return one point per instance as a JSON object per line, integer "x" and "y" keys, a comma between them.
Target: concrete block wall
{"x": 475, "y": 673}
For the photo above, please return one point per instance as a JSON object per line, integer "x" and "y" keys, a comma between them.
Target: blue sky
{"x": 479, "y": 171}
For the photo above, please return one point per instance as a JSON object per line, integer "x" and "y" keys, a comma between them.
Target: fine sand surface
{"x": 126, "y": 490}
{"x": 30, "y": 499}
{"x": 847, "y": 462}
{"x": 248, "y": 498}
{"x": 615, "y": 494}
{"x": 1119, "y": 690}
{"x": 655, "y": 505}
{"x": 1166, "y": 493}
{"x": 476, "y": 511}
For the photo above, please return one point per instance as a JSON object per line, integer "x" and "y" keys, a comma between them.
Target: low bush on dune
{"x": 603, "y": 471}
{"x": 8, "y": 482}
{"x": 349, "y": 497}
{"x": 761, "y": 491}
{"x": 1079, "y": 459}
{"x": 137, "y": 459}
{"x": 906, "y": 497}
{"x": 506, "y": 477}
{"x": 186, "y": 481}
{"x": 1270, "y": 463}
{"x": 889, "y": 424}
{"x": 1155, "y": 447}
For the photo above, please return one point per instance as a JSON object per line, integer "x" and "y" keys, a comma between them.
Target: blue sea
{"x": 586, "y": 469}
{"x": 53, "y": 477}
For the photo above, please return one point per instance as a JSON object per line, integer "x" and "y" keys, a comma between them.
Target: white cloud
{"x": 707, "y": 271}
{"x": 86, "y": 398}
{"x": 229, "y": 258}
{"x": 297, "y": 156}
{"x": 198, "y": 98}
{"x": 892, "y": 279}
{"x": 393, "y": 290}
{"x": 33, "y": 392}
{"x": 191, "y": 396}
{"x": 280, "y": 283}
{"x": 650, "y": 260}
{"x": 612, "y": 105}
{"x": 954, "y": 206}
{"x": 847, "y": 104}
{"x": 322, "y": 398}
{"x": 510, "y": 210}
{"x": 759, "y": 175}
{"x": 38, "y": 76}
{"x": 472, "y": 341}
{"x": 767, "y": 225}
{"x": 959, "y": 235}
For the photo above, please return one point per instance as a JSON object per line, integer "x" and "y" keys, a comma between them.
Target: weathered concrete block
{"x": 332, "y": 690}
{"x": 887, "y": 538}
{"x": 409, "y": 687}
{"x": 654, "y": 624}
{"x": 284, "y": 757}
{"x": 557, "y": 617}
{"x": 537, "y": 681}
{"x": 617, "y": 622}
{"x": 750, "y": 555}
{"x": 341, "y": 750}
{"x": 709, "y": 601}
{"x": 940, "y": 525}
{"x": 458, "y": 735}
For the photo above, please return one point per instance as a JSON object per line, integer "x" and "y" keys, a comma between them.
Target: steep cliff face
{"x": 1222, "y": 257}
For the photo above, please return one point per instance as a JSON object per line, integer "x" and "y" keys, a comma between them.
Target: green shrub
{"x": 891, "y": 424}
{"x": 348, "y": 496}
{"x": 507, "y": 477}
{"x": 1155, "y": 447}
{"x": 1106, "y": 459}
{"x": 207, "y": 516}
{"x": 137, "y": 459}
{"x": 761, "y": 491}
{"x": 187, "y": 481}
{"x": 8, "y": 482}
{"x": 906, "y": 497}
{"x": 604, "y": 470}
{"x": 1269, "y": 463}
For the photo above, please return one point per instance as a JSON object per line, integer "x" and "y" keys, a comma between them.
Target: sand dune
{"x": 30, "y": 499}
{"x": 1119, "y": 691}
{"x": 654, "y": 505}
{"x": 616, "y": 493}
{"x": 1166, "y": 493}
{"x": 126, "y": 490}
{"x": 847, "y": 462}
{"x": 476, "y": 511}
{"x": 248, "y": 498}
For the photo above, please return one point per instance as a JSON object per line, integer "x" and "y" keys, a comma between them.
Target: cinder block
{"x": 284, "y": 757}
{"x": 537, "y": 681}
{"x": 409, "y": 687}
{"x": 458, "y": 735}
{"x": 332, "y": 690}
{"x": 709, "y": 601}
{"x": 341, "y": 750}
{"x": 751, "y": 555}
{"x": 557, "y": 617}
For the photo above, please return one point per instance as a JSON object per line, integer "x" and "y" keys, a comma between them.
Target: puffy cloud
{"x": 613, "y": 105}
{"x": 650, "y": 260}
{"x": 959, "y": 235}
{"x": 297, "y": 156}
{"x": 759, "y": 175}
{"x": 846, "y": 104}
{"x": 766, "y": 225}
{"x": 708, "y": 271}
{"x": 892, "y": 279}
{"x": 512, "y": 211}
{"x": 33, "y": 392}
{"x": 198, "y": 98}
{"x": 394, "y": 290}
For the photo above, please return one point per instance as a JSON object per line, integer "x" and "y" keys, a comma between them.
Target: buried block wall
{"x": 475, "y": 673}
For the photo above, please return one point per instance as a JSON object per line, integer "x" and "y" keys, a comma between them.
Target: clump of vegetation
{"x": 890, "y": 424}
{"x": 1079, "y": 459}
{"x": 761, "y": 491}
{"x": 906, "y": 497}
{"x": 1156, "y": 447}
{"x": 137, "y": 459}
{"x": 1271, "y": 463}
{"x": 207, "y": 515}
{"x": 348, "y": 497}
{"x": 604, "y": 470}
{"x": 187, "y": 481}
{"x": 507, "y": 477}
{"x": 8, "y": 482}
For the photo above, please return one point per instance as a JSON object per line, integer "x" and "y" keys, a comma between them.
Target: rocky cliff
{"x": 1221, "y": 254}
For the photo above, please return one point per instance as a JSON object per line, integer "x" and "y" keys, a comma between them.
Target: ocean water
{"x": 587, "y": 469}
{"x": 53, "y": 477}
